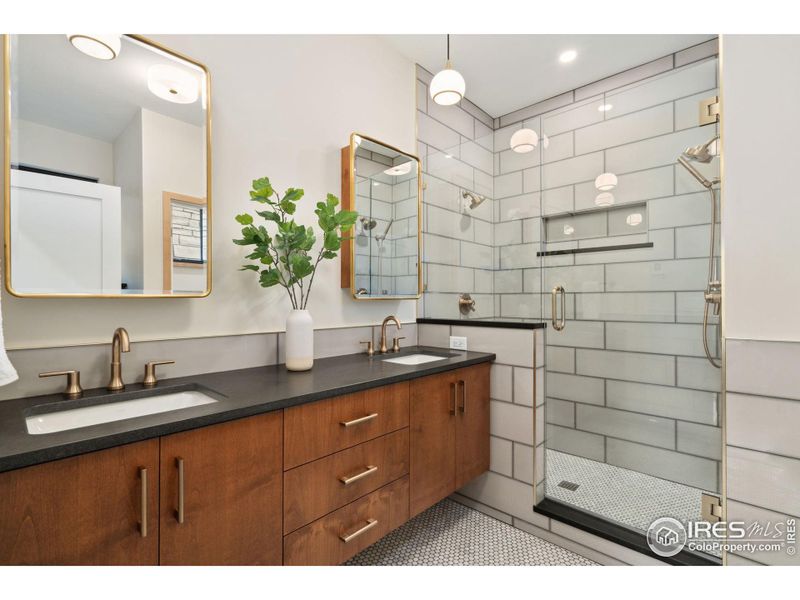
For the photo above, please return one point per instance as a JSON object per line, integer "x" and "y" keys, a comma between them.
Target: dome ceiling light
{"x": 524, "y": 140}
{"x": 605, "y": 182}
{"x": 604, "y": 199}
{"x": 447, "y": 86}
{"x": 102, "y": 46}
{"x": 401, "y": 169}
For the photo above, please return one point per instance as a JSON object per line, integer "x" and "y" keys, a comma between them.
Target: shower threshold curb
{"x": 618, "y": 534}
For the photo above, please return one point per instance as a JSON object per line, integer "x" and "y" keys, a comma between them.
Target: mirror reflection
{"x": 386, "y": 234}
{"x": 108, "y": 167}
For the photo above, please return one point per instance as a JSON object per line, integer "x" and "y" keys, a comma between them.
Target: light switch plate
{"x": 458, "y": 342}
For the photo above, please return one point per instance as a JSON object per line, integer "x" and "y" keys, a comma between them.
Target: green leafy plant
{"x": 285, "y": 257}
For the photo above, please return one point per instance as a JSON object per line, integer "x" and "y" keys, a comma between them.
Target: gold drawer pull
{"x": 359, "y": 420}
{"x": 370, "y": 524}
{"x": 180, "y": 514}
{"x": 143, "y": 479}
{"x": 368, "y": 471}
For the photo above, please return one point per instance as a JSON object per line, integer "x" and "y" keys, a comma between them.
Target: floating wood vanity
{"x": 310, "y": 483}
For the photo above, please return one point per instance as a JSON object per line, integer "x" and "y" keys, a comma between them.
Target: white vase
{"x": 299, "y": 341}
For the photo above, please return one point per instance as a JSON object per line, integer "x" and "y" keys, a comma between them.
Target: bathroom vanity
{"x": 283, "y": 468}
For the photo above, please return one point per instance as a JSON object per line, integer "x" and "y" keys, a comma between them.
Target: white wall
{"x": 283, "y": 106}
{"x": 760, "y": 91}
{"x": 50, "y": 148}
{"x": 128, "y": 176}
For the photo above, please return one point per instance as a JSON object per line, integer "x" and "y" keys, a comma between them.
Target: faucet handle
{"x": 370, "y": 347}
{"x": 73, "y": 389}
{"x": 396, "y": 343}
{"x": 150, "y": 371}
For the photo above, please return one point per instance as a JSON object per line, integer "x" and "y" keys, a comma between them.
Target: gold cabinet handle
{"x": 179, "y": 514}
{"x": 370, "y": 524}
{"x": 143, "y": 480}
{"x": 352, "y": 479}
{"x": 558, "y": 324}
{"x": 358, "y": 421}
{"x": 463, "y": 396}
{"x": 453, "y": 393}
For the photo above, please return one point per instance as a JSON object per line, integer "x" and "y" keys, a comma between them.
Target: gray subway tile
{"x": 634, "y": 427}
{"x": 628, "y": 366}
{"x": 663, "y": 401}
{"x": 579, "y": 443}
{"x": 666, "y": 464}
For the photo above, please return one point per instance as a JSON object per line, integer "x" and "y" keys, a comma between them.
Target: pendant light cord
{"x": 448, "y": 47}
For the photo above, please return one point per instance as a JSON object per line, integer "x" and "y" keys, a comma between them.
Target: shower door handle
{"x": 558, "y": 324}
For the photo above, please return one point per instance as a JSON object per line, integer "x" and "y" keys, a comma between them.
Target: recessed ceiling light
{"x": 173, "y": 84}
{"x": 102, "y": 46}
{"x": 448, "y": 156}
{"x": 568, "y": 56}
{"x": 605, "y": 107}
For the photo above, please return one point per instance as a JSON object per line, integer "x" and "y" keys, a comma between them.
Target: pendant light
{"x": 447, "y": 86}
{"x": 605, "y": 182}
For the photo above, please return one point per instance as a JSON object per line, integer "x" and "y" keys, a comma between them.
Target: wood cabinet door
{"x": 84, "y": 510}
{"x": 232, "y": 492}
{"x": 472, "y": 423}
{"x": 432, "y": 443}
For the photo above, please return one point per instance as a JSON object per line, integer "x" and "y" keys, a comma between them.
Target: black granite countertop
{"x": 240, "y": 393}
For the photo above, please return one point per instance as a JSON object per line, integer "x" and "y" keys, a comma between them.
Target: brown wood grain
{"x": 314, "y": 430}
{"x": 472, "y": 423}
{"x": 432, "y": 445}
{"x": 319, "y": 542}
{"x": 233, "y": 492}
{"x": 314, "y": 489}
{"x": 83, "y": 510}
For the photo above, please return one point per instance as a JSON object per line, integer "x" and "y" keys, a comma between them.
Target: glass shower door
{"x": 631, "y": 402}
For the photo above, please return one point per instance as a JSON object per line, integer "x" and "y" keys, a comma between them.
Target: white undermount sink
{"x": 64, "y": 420}
{"x": 414, "y": 359}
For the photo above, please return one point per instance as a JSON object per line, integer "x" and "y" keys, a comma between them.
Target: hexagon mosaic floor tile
{"x": 451, "y": 534}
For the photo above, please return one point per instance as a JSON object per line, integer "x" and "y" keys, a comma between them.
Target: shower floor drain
{"x": 568, "y": 485}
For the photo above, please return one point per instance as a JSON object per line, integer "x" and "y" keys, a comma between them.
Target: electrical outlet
{"x": 458, "y": 342}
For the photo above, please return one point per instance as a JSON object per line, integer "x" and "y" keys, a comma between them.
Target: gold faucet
{"x": 383, "y": 348}
{"x": 119, "y": 343}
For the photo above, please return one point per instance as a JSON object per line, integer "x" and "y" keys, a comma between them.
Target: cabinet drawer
{"x": 341, "y": 535}
{"x": 318, "y": 429}
{"x": 317, "y": 488}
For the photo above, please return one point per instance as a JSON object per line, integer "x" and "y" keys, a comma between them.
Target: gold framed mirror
{"x": 381, "y": 260}
{"x": 107, "y": 168}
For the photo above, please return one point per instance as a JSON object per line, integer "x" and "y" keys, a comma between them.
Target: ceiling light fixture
{"x": 447, "y": 86}
{"x": 103, "y": 46}
{"x": 172, "y": 84}
{"x": 402, "y": 169}
{"x": 604, "y": 199}
{"x": 524, "y": 140}
{"x": 605, "y": 182}
{"x": 568, "y": 56}
{"x": 634, "y": 219}
{"x": 605, "y": 107}
{"x": 569, "y": 230}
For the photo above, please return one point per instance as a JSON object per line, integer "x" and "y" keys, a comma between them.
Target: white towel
{"x": 8, "y": 373}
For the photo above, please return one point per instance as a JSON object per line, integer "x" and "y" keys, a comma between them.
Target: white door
{"x": 65, "y": 235}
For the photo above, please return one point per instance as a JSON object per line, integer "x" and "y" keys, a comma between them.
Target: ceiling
{"x": 508, "y": 72}
{"x": 56, "y": 85}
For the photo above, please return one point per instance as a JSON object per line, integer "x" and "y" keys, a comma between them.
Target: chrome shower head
{"x": 703, "y": 152}
{"x": 368, "y": 224}
{"x": 474, "y": 199}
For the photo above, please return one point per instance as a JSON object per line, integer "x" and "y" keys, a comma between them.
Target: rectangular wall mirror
{"x": 382, "y": 184}
{"x": 107, "y": 168}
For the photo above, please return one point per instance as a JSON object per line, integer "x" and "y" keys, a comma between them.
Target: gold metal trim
{"x": 7, "y": 178}
{"x": 352, "y": 240}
